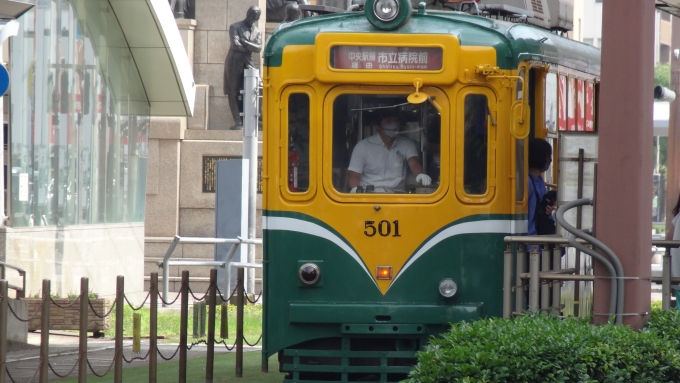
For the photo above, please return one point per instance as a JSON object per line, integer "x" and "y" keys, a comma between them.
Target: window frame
{"x": 439, "y": 100}
{"x": 284, "y": 147}
{"x": 492, "y": 102}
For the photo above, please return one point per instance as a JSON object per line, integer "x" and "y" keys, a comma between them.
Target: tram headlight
{"x": 448, "y": 288}
{"x": 309, "y": 273}
{"x": 386, "y": 10}
{"x": 387, "y": 15}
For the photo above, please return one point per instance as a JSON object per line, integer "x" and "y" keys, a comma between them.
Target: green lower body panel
{"x": 351, "y": 359}
{"x": 382, "y": 313}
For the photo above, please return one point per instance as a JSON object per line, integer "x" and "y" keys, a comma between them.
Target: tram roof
{"x": 513, "y": 42}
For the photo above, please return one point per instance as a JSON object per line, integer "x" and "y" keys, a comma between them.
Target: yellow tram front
{"x": 361, "y": 270}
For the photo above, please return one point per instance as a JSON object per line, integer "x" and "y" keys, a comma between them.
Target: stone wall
{"x": 175, "y": 201}
{"x": 67, "y": 317}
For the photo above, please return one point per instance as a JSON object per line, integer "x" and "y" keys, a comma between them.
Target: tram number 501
{"x": 384, "y": 228}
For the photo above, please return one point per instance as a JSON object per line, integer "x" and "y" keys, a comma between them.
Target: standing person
{"x": 246, "y": 39}
{"x": 380, "y": 160}
{"x": 675, "y": 253}
{"x": 540, "y": 158}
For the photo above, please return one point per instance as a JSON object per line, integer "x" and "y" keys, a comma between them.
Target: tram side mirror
{"x": 661, "y": 93}
{"x": 519, "y": 122}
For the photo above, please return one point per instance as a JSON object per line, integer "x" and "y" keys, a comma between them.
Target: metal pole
{"x": 521, "y": 268}
{"x": 166, "y": 268}
{"x": 666, "y": 280}
{"x": 534, "y": 262}
{"x": 4, "y": 301}
{"x": 22, "y": 293}
{"x": 507, "y": 283}
{"x": 579, "y": 215}
{"x": 250, "y": 114}
{"x": 212, "y": 307}
{"x": 153, "y": 328}
{"x": 227, "y": 270}
{"x": 44, "y": 331}
{"x": 239, "y": 323}
{"x": 82, "y": 334}
{"x": 183, "y": 329}
{"x": 556, "y": 287}
{"x": 120, "y": 310}
{"x": 545, "y": 287}
{"x": 11, "y": 28}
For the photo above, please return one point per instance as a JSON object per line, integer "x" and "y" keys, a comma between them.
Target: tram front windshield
{"x": 383, "y": 144}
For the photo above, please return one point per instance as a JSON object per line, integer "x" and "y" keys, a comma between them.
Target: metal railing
{"x": 666, "y": 278}
{"x": 166, "y": 262}
{"x": 545, "y": 282}
{"x": 85, "y": 309}
{"x": 20, "y": 290}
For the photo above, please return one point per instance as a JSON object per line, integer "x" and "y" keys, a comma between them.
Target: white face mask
{"x": 390, "y": 130}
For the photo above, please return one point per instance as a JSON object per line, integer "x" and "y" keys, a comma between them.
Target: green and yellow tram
{"x": 357, "y": 279}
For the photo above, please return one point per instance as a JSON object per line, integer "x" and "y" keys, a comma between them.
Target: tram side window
{"x": 298, "y": 142}
{"x": 383, "y": 144}
{"x": 476, "y": 147}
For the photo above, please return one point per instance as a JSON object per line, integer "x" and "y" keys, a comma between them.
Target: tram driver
{"x": 380, "y": 162}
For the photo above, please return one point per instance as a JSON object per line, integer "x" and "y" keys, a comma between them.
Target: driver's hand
{"x": 424, "y": 179}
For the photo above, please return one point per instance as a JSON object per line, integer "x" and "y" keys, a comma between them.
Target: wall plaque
{"x": 210, "y": 172}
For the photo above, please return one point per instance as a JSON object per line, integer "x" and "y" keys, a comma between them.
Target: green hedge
{"x": 542, "y": 348}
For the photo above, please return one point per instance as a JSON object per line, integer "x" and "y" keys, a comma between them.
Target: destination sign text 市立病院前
{"x": 386, "y": 58}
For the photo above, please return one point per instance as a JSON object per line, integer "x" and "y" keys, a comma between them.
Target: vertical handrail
{"x": 82, "y": 333}
{"x": 239, "y": 323}
{"x": 507, "y": 283}
{"x": 212, "y": 307}
{"x": 120, "y": 309}
{"x": 666, "y": 280}
{"x": 44, "y": 330}
{"x": 153, "y": 328}
{"x": 183, "y": 330}
{"x": 4, "y": 301}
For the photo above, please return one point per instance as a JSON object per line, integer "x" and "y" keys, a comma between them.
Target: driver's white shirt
{"x": 381, "y": 167}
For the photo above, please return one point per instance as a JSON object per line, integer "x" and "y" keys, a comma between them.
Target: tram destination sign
{"x": 385, "y": 58}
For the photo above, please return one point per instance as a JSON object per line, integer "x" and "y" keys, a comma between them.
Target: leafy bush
{"x": 541, "y": 348}
{"x": 665, "y": 325}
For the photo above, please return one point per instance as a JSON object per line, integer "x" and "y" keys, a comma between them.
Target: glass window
{"x": 298, "y": 142}
{"x": 550, "y": 102}
{"x": 383, "y": 144}
{"x": 80, "y": 124}
{"x": 476, "y": 147}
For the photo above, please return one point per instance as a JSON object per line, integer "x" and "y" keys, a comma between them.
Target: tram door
{"x": 541, "y": 95}
{"x": 542, "y": 89}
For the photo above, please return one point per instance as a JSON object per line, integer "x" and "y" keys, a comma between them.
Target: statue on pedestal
{"x": 246, "y": 39}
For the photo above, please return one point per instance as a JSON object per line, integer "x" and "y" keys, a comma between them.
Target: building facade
{"x": 86, "y": 78}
